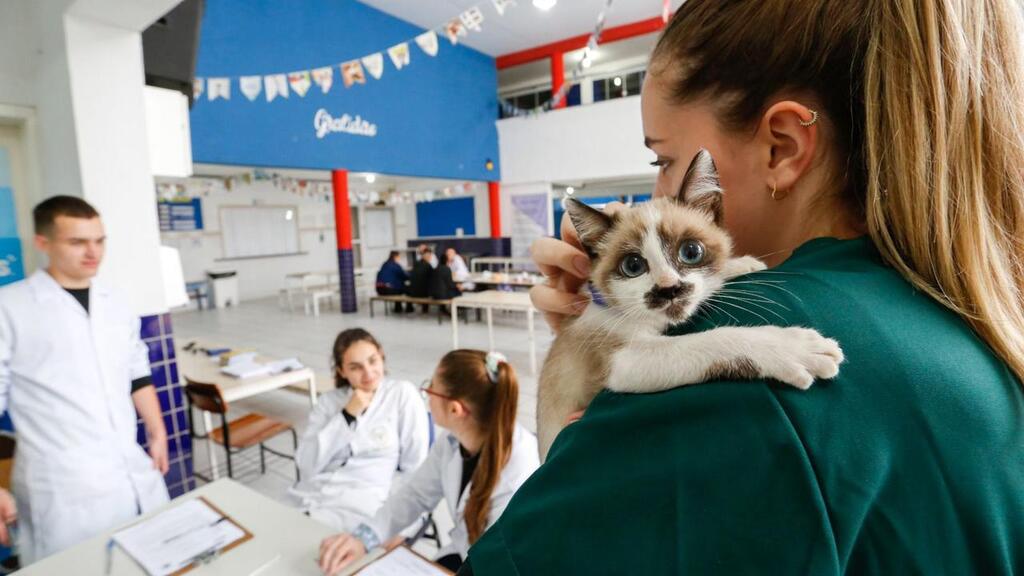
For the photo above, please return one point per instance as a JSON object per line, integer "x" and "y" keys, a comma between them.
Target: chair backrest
{"x": 205, "y": 397}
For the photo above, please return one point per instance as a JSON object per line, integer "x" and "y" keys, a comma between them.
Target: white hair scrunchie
{"x": 494, "y": 359}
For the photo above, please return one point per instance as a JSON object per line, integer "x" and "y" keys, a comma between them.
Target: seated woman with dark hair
{"x": 358, "y": 436}
{"x": 442, "y": 285}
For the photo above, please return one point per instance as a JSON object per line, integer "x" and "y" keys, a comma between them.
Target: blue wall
{"x": 442, "y": 217}
{"x": 11, "y": 266}
{"x": 435, "y": 117}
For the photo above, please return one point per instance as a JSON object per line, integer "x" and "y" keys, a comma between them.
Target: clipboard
{"x": 436, "y": 567}
{"x": 246, "y": 536}
{"x": 136, "y": 545}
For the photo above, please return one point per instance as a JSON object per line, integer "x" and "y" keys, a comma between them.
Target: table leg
{"x": 490, "y": 327}
{"x": 455, "y": 325}
{"x": 210, "y": 445}
{"x": 312, "y": 390}
{"x": 533, "y": 342}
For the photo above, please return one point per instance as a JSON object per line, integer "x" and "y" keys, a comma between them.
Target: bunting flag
{"x": 399, "y": 54}
{"x": 472, "y": 18}
{"x": 501, "y": 5}
{"x": 218, "y": 88}
{"x": 324, "y": 78}
{"x": 197, "y": 88}
{"x": 428, "y": 42}
{"x": 454, "y": 29}
{"x": 275, "y": 85}
{"x": 299, "y": 82}
{"x": 251, "y": 86}
{"x": 666, "y": 10}
{"x": 352, "y": 73}
{"x": 374, "y": 64}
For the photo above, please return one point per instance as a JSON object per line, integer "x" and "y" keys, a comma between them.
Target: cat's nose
{"x": 672, "y": 292}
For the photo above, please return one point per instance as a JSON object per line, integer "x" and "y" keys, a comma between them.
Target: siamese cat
{"x": 653, "y": 266}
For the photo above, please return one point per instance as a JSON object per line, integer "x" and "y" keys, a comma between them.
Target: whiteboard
{"x": 251, "y": 231}
{"x": 380, "y": 228}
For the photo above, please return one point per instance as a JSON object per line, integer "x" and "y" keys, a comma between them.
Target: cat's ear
{"x": 590, "y": 224}
{"x": 700, "y": 188}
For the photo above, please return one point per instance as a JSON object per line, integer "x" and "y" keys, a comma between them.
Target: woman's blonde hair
{"x": 925, "y": 104}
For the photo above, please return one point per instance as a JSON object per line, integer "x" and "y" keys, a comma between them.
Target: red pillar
{"x": 557, "y": 76}
{"x": 494, "y": 197}
{"x": 343, "y": 234}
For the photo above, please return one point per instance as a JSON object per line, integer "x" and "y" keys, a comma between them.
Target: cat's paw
{"x": 799, "y": 356}
{"x": 743, "y": 265}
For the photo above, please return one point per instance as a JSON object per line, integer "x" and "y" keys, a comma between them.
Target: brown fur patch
{"x": 739, "y": 369}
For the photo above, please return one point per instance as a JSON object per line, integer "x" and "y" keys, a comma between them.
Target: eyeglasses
{"x": 425, "y": 391}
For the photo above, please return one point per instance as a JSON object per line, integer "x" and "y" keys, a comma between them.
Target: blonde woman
{"x": 872, "y": 153}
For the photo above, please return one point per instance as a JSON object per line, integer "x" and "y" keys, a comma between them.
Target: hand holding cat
{"x": 566, "y": 267}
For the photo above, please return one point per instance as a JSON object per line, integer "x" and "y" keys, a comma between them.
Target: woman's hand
{"x": 8, "y": 515}
{"x": 339, "y": 551}
{"x": 567, "y": 268}
{"x": 358, "y": 402}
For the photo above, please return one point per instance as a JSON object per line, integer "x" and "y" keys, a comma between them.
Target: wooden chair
{"x": 239, "y": 434}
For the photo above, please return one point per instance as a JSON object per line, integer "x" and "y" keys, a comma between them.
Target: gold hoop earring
{"x": 812, "y": 121}
{"x": 776, "y": 195}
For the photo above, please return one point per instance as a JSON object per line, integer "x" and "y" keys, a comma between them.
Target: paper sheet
{"x": 172, "y": 539}
{"x": 402, "y": 562}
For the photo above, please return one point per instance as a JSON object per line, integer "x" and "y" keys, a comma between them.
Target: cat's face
{"x": 657, "y": 262}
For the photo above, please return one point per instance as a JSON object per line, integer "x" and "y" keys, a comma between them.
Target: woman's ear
{"x": 788, "y": 133}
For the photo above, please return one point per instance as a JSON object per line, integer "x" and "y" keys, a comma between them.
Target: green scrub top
{"x": 911, "y": 461}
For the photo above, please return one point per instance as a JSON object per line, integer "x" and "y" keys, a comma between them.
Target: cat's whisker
{"x": 737, "y": 306}
{"x": 753, "y": 296}
{"x": 765, "y": 308}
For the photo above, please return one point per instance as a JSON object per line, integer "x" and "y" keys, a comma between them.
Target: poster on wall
{"x": 11, "y": 267}
{"x": 180, "y": 216}
{"x": 530, "y": 221}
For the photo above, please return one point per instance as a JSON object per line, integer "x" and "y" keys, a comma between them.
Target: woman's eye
{"x": 691, "y": 252}
{"x": 633, "y": 265}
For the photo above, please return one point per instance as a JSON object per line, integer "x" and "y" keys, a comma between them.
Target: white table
{"x": 198, "y": 367}
{"x": 491, "y": 300}
{"x": 278, "y": 532}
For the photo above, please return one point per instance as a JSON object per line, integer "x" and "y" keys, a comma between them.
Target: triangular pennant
{"x": 472, "y": 18}
{"x": 250, "y": 86}
{"x": 454, "y": 29}
{"x": 324, "y": 78}
{"x": 197, "y": 88}
{"x": 666, "y": 10}
{"x": 352, "y": 73}
{"x": 399, "y": 54}
{"x": 502, "y": 5}
{"x": 374, "y": 64}
{"x": 428, "y": 42}
{"x": 299, "y": 82}
{"x": 275, "y": 85}
{"x": 218, "y": 88}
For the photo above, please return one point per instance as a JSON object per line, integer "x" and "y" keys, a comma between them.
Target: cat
{"x": 653, "y": 266}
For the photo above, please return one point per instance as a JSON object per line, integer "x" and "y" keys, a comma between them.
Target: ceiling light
{"x": 587, "y": 62}
{"x": 545, "y": 4}
{"x": 617, "y": 81}
{"x": 371, "y": 178}
{"x": 569, "y": 190}
{"x": 288, "y": 215}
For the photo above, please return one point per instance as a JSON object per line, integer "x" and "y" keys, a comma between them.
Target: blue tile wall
{"x": 158, "y": 336}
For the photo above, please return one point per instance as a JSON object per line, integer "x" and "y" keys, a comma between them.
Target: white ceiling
{"x": 523, "y": 26}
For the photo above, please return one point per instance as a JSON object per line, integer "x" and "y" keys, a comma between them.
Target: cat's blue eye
{"x": 692, "y": 252}
{"x": 633, "y": 265}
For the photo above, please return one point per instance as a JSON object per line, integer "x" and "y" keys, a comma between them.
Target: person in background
{"x": 359, "y": 435}
{"x": 74, "y": 376}
{"x": 421, "y": 278}
{"x": 442, "y": 285}
{"x": 460, "y": 272}
{"x": 391, "y": 278}
{"x": 475, "y": 466}
{"x": 426, "y": 253}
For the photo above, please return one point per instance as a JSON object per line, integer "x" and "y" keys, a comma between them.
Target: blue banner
{"x": 428, "y": 116}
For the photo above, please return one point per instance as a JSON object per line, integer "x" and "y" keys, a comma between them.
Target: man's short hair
{"x": 45, "y": 214}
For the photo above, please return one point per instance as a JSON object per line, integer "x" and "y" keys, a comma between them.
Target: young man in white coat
{"x": 73, "y": 375}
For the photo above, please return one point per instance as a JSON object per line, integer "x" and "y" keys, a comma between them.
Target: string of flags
{"x": 299, "y": 83}
{"x": 313, "y": 189}
{"x": 511, "y": 110}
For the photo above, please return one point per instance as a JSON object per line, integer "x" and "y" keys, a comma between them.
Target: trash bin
{"x": 223, "y": 288}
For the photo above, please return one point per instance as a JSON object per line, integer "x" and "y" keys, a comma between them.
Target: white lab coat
{"x": 460, "y": 273}
{"x": 441, "y": 477}
{"x": 65, "y": 377}
{"x": 347, "y": 470}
